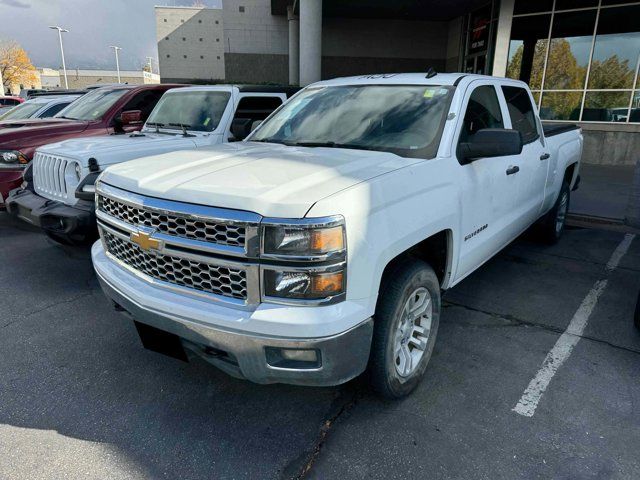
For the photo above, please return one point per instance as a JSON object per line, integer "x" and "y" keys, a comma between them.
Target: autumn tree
{"x": 15, "y": 65}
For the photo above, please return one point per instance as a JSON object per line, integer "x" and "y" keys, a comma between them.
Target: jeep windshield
{"x": 93, "y": 105}
{"x": 199, "y": 111}
{"x": 403, "y": 119}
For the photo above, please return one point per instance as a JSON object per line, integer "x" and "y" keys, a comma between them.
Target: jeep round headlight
{"x": 313, "y": 239}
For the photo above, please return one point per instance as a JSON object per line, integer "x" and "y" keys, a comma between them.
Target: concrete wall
{"x": 255, "y": 42}
{"x": 611, "y": 144}
{"x": 190, "y": 43}
{"x": 358, "y": 46}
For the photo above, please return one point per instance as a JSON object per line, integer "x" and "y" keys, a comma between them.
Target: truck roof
{"x": 406, "y": 79}
{"x": 244, "y": 88}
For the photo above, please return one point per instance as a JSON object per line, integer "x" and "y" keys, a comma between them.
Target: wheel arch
{"x": 435, "y": 250}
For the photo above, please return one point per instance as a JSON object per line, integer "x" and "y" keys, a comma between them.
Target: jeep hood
{"x": 269, "y": 179}
{"x": 112, "y": 149}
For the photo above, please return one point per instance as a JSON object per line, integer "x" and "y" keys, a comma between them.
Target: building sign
{"x": 479, "y": 31}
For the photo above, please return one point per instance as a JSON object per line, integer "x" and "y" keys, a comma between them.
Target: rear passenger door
{"x": 534, "y": 160}
{"x": 489, "y": 194}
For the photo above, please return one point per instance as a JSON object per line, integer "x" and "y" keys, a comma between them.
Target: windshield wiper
{"x": 275, "y": 140}
{"x": 184, "y": 129}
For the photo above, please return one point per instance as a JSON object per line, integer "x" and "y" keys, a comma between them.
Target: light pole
{"x": 116, "y": 49}
{"x": 64, "y": 66}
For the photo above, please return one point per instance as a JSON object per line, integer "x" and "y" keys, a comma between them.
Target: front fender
{"x": 384, "y": 218}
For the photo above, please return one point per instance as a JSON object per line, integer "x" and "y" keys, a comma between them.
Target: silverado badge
{"x": 144, "y": 241}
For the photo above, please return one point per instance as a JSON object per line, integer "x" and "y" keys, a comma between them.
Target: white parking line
{"x": 528, "y": 403}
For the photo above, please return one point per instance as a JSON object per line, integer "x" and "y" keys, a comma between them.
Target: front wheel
{"x": 552, "y": 224}
{"x": 405, "y": 328}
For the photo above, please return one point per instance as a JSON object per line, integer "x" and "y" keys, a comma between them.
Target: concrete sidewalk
{"x": 606, "y": 192}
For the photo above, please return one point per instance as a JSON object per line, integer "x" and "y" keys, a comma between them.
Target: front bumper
{"x": 9, "y": 180}
{"x": 52, "y": 216}
{"x": 235, "y": 347}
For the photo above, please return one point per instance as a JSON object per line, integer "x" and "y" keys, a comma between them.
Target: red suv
{"x": 107, "y": 110}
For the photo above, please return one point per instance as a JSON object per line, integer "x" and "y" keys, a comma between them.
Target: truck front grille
{"x": 204, "y": 277}
{"x": 49, "y": 177}
{"x": 175, "y": 224}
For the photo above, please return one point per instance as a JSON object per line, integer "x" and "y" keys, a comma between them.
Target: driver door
{"x": 488, "y": 191}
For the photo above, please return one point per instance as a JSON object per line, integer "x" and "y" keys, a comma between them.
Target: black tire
{"x": 636, "y": 317}
{"x": 550, "y": 229}
{"x": 408, "y": 277}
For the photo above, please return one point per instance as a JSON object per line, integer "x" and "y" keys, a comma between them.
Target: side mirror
{"x": 256, "y": 124}
{"x": 240, "y": 128}
{"x": 490, "y": 142}
{"x": 130, "y": 116}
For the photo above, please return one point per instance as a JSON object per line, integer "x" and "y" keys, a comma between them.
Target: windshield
{"x": 92, "y": 105}
{"x": 403, "y": 119}
{"x": 199, "y": 111}
{"x": 22, "y": 111}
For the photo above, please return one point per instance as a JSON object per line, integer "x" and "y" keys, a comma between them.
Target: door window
{"x": 523, "y": 117}
{"x": 145, "y": 102}
{"x": 483, "y": 111}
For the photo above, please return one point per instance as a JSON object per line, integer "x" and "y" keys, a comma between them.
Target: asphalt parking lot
{"x": 80, "y": 398}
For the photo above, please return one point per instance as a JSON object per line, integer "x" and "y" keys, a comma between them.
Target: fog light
{"x": 297, "y": 359}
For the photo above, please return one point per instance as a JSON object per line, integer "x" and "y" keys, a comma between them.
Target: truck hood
{"x": 38, "y": 122}
{"x": 111, "y": 149}
{"x": 270, "y": 179}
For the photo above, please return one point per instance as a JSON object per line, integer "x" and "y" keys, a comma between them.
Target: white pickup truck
{"x": 60, "y": 200}
{"x": 318, "y": 248}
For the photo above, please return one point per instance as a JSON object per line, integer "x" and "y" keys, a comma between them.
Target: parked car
{"x": 185, "y": 118}
{"x": 7, "y": 102}
{"x": 38, "y": 107}
{"x": 121, "y": 109}
{"x": 319, "y": 246}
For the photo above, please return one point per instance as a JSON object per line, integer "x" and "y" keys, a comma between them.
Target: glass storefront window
{"x": 560, "y": 105}
{"x": 527, "y": 48}
{"x": 606, "y": 106}
{"x": 617, "y": 47}
{"x": 570, "y": 4}
{"x": 528, "y": 6}
{"x": 571, "y": 38}
{"x": 577, "y": 76}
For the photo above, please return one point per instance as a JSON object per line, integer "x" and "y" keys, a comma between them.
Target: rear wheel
{"x": 553, "y": 223}
{"x": 405, "y": 328}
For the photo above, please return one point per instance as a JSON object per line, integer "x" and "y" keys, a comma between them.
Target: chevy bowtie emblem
{"x": 144, "y": 241}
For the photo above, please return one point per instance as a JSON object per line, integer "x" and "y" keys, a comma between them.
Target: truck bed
{"x": 551, "y": 129}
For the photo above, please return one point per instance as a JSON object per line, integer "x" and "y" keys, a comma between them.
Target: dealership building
{"x": 580, "y": 57}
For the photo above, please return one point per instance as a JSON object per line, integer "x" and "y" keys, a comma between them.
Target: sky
{"x": 93, "y": 25}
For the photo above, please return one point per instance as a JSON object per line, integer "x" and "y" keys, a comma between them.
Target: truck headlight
{"x": 306, "y": 260}
{"x": 12, "y": 159}
{"x": 303, "y": 284}
{"x": 311, "y": 240}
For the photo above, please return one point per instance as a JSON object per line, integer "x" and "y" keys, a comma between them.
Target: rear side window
{"x": 523, "y": 117}
{"x": 145, "y": 102}
{"x": 483, "y": 111}
{"x": 51, "y": 111}
{"x": 257, "y": 108}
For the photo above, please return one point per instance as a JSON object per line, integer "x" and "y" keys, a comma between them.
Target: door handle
{"x": 545, "y": 156}
{"x": 512, "y": 170}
